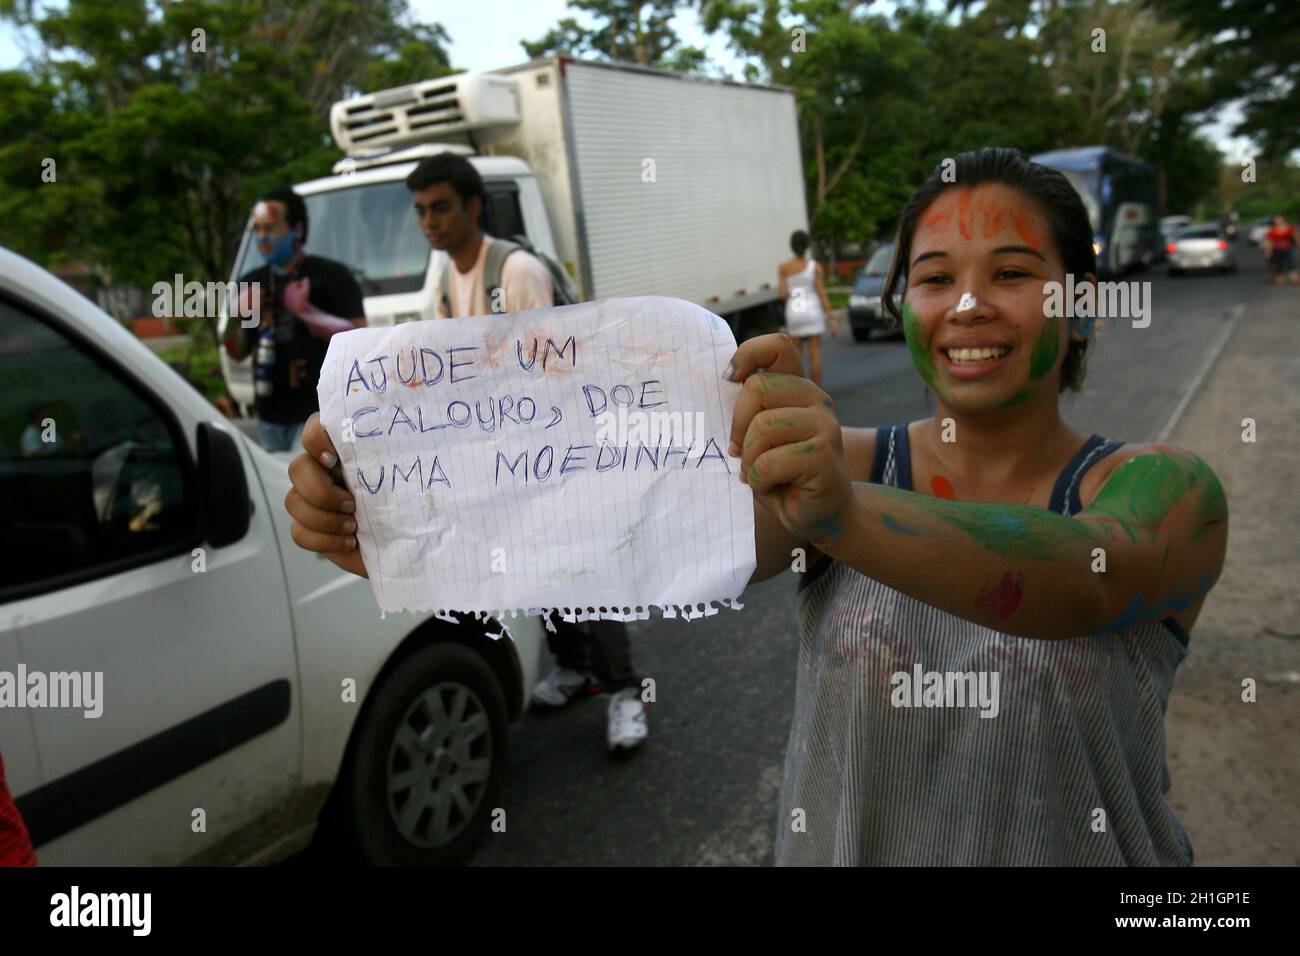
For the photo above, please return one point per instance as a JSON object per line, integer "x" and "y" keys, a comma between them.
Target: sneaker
{"x": 560, "y": 686}
{"x": 627, "y": 727}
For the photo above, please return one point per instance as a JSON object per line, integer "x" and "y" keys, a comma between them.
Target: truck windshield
{"x": 371, "y": 229}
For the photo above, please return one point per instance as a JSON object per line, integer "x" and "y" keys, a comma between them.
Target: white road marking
{"x": 1235, "y": 315}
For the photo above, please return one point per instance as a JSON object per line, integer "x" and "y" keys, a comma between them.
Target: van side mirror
{"x": 223, "y": 487}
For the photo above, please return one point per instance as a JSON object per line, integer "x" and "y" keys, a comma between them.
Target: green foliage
{"x": 199, "y": 363}
{"x": 166, "y": 120}
{"x": 162, "y": 136}
{"x": 630, "y": 31}
{"x": 1248, "y": 49}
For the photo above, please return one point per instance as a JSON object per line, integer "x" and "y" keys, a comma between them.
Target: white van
{"x": 179, "y": 682}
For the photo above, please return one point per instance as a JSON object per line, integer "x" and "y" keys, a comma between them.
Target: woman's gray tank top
{"x": 1068, "y": 768}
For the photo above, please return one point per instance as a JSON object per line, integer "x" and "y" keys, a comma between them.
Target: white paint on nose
{"x": 967, "y": 302}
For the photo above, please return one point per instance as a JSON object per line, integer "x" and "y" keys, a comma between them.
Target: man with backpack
{"x": 486, "y": 275}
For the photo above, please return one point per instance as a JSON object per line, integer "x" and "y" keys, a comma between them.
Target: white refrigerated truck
{"x": 638, "y": 181}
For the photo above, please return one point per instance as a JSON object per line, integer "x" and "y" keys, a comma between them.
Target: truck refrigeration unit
{"x": 638, "y": 181}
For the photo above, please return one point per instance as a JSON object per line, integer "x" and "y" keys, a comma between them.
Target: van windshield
{"x": 371, "y": 229}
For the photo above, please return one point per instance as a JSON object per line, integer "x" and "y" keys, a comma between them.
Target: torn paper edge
{"x": 572, "y": 615}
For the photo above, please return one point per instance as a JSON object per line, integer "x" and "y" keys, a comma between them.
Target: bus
{"x": 1119, "y": 192}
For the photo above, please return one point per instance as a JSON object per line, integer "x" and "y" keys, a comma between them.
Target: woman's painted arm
{"x": 1148, "y": 547}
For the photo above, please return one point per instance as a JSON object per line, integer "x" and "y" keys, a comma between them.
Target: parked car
{"x": 245, "y": 682}
{"x": 1169, "y": 227}
{"x": 1258, "y": 231}
{"x": 1202, "y": 246}
{"x": 865, "y": 312}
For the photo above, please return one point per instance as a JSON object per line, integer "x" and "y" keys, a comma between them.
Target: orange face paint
{"x": 993, "y": 217}
{"x": 1025, "y": 227}
{"x": 938, "y": 217}
{"x": 941, "y": 487}
{"x": 964, "y": 214}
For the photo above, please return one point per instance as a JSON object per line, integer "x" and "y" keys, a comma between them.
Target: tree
{"x": 167, "y": 119}
{"x": 1251, "y": 51}
{"x": 631, "y": 31}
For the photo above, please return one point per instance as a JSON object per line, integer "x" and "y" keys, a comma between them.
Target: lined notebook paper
{"x": 566, "y": 458}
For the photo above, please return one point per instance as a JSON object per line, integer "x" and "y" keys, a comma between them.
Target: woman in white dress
{"x": 803, "y": 289}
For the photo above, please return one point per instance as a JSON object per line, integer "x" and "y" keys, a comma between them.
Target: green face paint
{"x": 1017, "y": 398}
{"x": 1046, "y": 349}
{"x": 921, "y": 357}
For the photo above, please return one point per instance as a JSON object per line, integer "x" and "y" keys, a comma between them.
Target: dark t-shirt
{"x": 299, "y": 354}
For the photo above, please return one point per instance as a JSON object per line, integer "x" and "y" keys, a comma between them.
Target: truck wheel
{"x": 429, "y": 761}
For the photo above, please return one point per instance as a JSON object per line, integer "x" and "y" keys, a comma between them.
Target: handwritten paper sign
{"x": 553, "y": 459}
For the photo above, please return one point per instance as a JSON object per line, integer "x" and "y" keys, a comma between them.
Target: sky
{"x": 485, "y": 35}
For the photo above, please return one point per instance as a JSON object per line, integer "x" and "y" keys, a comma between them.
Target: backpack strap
{"x": 444, "y": 286}
{"x": 492, "y": 268}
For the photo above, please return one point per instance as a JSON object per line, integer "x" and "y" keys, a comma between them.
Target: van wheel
{"x": 429, "y": 761}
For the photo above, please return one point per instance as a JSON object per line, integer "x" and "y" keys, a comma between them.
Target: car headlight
{"x": 1096, "y": 247}
{"x": 858, "y": 301}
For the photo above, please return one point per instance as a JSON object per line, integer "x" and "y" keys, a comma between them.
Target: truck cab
{"x": 362, "y": 217}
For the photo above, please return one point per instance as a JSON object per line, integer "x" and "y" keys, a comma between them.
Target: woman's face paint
{"x": 1046, "y": 350}
{"x": 979, "y": 260}
{"x": 914, "y": 332}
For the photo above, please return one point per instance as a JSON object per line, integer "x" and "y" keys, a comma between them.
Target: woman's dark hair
{"x": 295, "y": 210}
{"x": 799, "y": 242}
{"x": 449, "y": 168}
{"x": 1060, "y": 204}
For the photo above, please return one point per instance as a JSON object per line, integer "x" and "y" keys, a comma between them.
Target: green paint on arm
{"x": 783, "y": 422}
{"x": 1142, "y": 492}
{"x": 753, "y": 473}
{"x": 1212, "y": 508}
{"x": 1010, "y": 531}
{"x": 898, "y": 527}
{"x": 804, "y": 449}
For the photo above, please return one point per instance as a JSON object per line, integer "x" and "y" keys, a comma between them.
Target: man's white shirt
{"x": 525, "y": 284}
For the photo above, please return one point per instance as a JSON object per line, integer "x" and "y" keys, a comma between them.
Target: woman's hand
{"x": 789, "y": 440}
{"x": 323, "y": 511}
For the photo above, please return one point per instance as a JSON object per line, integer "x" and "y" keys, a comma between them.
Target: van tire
{"x": 457, "y": 677}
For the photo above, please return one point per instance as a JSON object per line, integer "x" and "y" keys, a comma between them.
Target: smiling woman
{"x": 990, "y": 539}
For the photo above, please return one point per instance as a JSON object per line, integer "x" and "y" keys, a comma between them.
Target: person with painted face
{"x": 304, "y": 300}
{"x": 995, "y": 604}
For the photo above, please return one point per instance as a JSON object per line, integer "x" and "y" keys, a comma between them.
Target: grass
{"x": 199, "y": 363}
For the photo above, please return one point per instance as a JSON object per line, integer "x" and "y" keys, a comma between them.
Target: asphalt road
{"x": 703, "y": 790}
